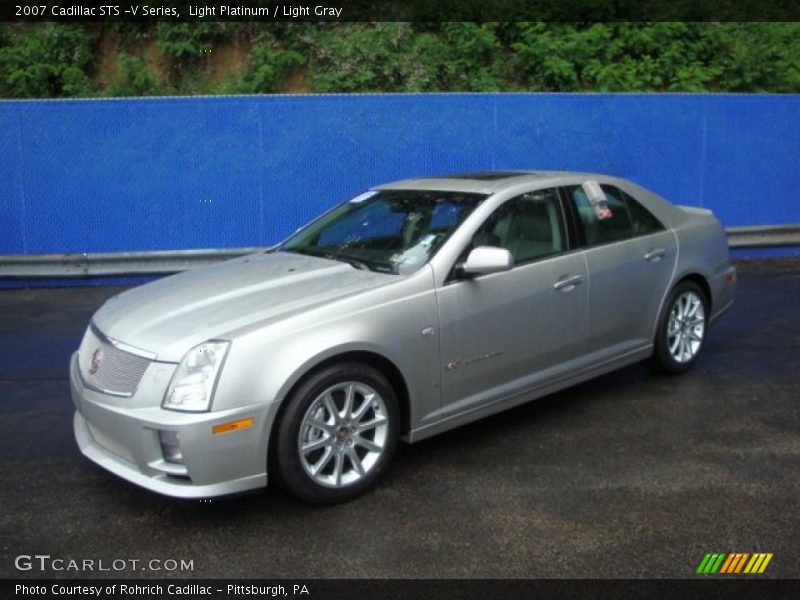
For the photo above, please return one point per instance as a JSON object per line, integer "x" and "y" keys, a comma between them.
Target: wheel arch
{"x": 693, "y": 276}
{"x": 659, "y": 359}
{"x": 702, "y": 282}
{"x": 378, "y": 361}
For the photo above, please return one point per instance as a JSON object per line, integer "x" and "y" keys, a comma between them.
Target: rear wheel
{"x": 338, "y": 433}
{"x": 682, "y": 329}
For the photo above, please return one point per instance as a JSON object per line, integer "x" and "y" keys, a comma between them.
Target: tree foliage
{"x": 271, "y": 62}
{"x": 133, "y": 78}
{"x": 49, "y": 60}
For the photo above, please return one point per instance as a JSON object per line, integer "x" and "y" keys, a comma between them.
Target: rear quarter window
{"x": 597, "y": 231}
{"x": 628, "y": 217}
{"x": 642, "y": 219}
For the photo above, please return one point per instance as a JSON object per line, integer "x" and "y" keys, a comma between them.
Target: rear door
{"x": 630, "y": 257}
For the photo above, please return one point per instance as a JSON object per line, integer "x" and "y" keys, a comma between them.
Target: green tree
{"x": 759, "y": 57}
{"x": 615, "y": 57}
{"x": 57, "y": 60}
{"x": 400, "y": 57}
{"x": 356, "y": 57}
{"x": 455, "y": 57}
{"x": 133, "y": 78}
{"x": 46, "y": 61}
{"x": 270, "y": 63}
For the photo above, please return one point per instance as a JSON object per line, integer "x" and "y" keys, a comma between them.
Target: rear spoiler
{"x": 696, "y": 210}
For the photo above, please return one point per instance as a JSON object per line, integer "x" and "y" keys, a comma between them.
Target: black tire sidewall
{"x": 286, "y": 463}
{"x": 663, "y": 359}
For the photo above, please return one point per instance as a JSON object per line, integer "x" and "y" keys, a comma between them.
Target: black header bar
{"x": 399, "y": 10}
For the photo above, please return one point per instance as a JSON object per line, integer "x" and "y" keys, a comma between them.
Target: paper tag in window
{"x": 598, "y": 199}
{"x": 364, "y": 196}
{"x": 594, "y": 192}
{"x": 603, "y": 211}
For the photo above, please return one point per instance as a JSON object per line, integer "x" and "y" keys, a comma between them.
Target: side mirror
{"x": 487, "y": 259}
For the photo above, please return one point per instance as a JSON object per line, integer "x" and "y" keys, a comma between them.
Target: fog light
{"x": 170, "y": 447}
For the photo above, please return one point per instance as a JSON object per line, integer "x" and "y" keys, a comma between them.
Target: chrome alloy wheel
{"x": 686, "y": 327}
{"x": 343, "y": 434}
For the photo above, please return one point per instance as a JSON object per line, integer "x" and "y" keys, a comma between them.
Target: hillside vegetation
{"x": 130, "y": 59}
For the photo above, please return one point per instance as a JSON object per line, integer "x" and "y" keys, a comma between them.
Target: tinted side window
{"x": 529, "y": 226}
{"x": 643, "y": 220}
{"x": 613, "y": 227}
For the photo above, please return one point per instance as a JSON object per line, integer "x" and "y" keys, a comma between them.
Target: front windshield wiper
{"x": 363, "y": 263}
{"x": 356, "y": 263}
{"x": 351, "y": 261}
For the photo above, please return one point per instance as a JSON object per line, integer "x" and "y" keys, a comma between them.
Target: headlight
{"x": 192, "y": 385}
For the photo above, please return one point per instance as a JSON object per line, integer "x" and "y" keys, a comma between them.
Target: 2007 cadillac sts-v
{"x": 411, "y": 309}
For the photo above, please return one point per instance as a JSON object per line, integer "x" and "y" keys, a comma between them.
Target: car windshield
{"x": 392, "y": 231}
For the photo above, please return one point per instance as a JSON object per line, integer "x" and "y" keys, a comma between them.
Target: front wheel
{"x": 338, "y": 433}
{"x": 682, "y": 329}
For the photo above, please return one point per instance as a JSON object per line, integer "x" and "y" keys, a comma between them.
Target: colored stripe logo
{"x": 731, "y": 563}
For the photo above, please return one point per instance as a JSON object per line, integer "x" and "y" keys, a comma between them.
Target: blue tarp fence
{"x": 106, "y": 175}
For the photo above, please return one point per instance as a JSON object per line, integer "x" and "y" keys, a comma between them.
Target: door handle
{"x": 655, "y": 254}
{"x": 568, "y": 283}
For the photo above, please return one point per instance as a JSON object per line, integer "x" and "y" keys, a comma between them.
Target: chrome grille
{"x": 107, "y": 368}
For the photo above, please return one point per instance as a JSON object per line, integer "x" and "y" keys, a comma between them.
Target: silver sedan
{"x": 413, "y": 308}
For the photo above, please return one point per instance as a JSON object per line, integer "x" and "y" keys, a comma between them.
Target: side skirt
{"x": 521, "y": 397}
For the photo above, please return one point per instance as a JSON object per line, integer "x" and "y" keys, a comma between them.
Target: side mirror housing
{"x": 487, "y": 259}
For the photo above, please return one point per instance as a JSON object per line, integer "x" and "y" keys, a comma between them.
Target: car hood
{"x": 169, "y": 316}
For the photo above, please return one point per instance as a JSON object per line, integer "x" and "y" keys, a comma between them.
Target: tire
{"x": 682, "y": 329}
{"x": 346, "y": 452}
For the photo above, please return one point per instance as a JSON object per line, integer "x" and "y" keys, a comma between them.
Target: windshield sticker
{"x": 428, "y": 240}
{"x": 364, "y": 196}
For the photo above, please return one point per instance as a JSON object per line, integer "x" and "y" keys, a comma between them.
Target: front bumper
{"x": 122, "y": 436}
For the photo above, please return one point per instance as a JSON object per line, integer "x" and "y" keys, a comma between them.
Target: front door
{"x": 505, "y": 332}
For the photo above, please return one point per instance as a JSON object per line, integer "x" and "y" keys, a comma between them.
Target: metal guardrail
{"x": 763, "y": 236}
{"x": 31, "y": 266}
{"x": 113, "y": 263}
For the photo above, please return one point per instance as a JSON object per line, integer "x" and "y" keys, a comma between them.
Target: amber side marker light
{"x": 233, "y": 426}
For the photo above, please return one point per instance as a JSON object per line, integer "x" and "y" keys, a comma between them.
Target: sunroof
{"x": 487, "y": 175}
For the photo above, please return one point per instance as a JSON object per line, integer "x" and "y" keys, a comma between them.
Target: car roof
{"x": 493, "y": 182}
{"x": 487, "y": 182}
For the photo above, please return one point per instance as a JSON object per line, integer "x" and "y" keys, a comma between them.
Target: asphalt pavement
{"x": 629, "y": 475}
